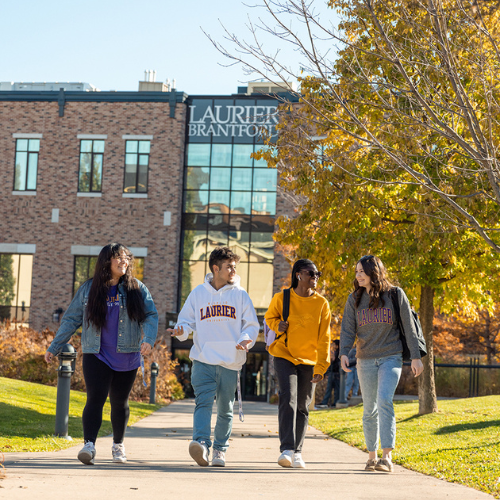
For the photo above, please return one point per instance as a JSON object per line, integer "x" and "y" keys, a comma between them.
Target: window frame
{"x": 138, "y": 163}
{"x": 26, "y": 166}
{"x": 92, "y": 156}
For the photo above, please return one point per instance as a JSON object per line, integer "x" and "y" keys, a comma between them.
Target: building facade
{"x": 169, "y": 175}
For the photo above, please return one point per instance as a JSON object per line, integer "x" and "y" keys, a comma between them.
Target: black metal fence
{"x": 474, "y": 368}
{"x": 457, "y": 379}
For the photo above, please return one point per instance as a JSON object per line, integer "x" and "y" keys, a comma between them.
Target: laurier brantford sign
{"x": 231, "y": 120}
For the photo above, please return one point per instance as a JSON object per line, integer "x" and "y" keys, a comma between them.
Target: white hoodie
{"x": 219, "y": 319}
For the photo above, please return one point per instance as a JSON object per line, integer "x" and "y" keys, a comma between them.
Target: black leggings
{"x": 101, "y": 380}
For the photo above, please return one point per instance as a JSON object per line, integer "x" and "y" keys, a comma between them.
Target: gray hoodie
{"x": 376, "y": 329}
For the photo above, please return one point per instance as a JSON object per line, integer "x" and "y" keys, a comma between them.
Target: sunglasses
{"x": 312, "y": 274}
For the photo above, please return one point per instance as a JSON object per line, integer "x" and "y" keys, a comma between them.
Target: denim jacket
{"x": 129, "y": 332}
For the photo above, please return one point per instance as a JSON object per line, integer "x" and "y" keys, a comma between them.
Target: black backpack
{"x": 395, "y": 293}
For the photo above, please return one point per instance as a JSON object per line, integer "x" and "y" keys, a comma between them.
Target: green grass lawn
{"x": 460, "y": 443}
{"x": 27, "y": 417}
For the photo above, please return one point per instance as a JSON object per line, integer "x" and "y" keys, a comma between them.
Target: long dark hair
{"x": 97, "y": 308}
{"x": 375, "y": 270}
{"x": 297, "y": 267}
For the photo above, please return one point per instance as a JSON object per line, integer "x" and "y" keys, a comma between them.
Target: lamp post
{"x": 155, "y": 369}
{"x": 66, "y": 368}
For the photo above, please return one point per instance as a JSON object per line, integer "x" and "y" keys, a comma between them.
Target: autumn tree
{"x": 338, "y": 221}
{"x": 457, "y": 336}
{"x": 404, "y": 98}
{"x": 412, "y": 84}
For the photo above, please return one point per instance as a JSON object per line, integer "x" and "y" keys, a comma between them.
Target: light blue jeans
{"x": 211, "y": 381}
{"x": 378, "y": 379}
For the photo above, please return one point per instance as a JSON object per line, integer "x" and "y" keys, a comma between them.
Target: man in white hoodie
{"x": 224, "y": 324}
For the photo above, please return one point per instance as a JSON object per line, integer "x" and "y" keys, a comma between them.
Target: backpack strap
{"x": 394, "y": 293}
{"x": 286, "y": 303}
{"x": 286, "y": 312}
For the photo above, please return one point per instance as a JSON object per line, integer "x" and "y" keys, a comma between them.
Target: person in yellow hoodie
{"x": 302, "y": 356}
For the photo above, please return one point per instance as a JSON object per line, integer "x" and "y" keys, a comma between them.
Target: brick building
{"x": 167, "y": 174}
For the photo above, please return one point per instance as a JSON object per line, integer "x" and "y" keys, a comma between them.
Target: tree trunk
{"x": 426, "y": 383}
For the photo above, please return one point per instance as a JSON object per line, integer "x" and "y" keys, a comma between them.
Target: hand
{"x": 49, "y": 357}
{"x": 283, "y": 326}
{"x": 417, "y": 367}
{"x": 176, "y": 332}
{"x": 146, "y": 349}
{"x": 317, "y": 378}
{"x": 344, "y": 361}
{"x": 243, "y": 345}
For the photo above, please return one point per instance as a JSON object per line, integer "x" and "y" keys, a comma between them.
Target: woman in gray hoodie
{"x": 369, "y": 317}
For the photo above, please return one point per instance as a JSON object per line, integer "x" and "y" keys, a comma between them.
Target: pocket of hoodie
{"x": 223, "y": 351}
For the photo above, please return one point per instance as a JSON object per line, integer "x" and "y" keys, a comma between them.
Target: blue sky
{"x": 110, "y": 43}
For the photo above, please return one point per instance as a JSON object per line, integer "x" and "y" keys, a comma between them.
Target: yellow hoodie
{"x": 308, "y": 330}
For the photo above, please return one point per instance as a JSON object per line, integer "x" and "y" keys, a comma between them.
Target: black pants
{"x": 101, "y": 380}
{"x": 295, "y": 395}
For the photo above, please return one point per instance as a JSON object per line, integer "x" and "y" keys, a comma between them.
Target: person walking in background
{"x": 222, "y": 319}
{"x": 351, "y": 379}
{"x": 301, "y": 356}
{"x": 333, "y": 383}
{"x": 119, "y": 324}
{"x": 369, "y": 316}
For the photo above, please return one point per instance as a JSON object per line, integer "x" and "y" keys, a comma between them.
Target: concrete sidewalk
{"x": 159, "y": 466}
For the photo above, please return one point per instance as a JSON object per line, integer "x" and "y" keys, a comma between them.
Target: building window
{"x": 136, "y": 166}
{"x": 26, "y": 164}
{"x": 15, "y": 286}
{"x": 85, "y": 265}
{"x": 91, "y": 161}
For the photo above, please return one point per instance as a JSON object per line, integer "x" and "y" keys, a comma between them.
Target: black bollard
{"x": 66, "y": 368}
{"x": 342, "y": 402}
{"x": 155, "y": 368}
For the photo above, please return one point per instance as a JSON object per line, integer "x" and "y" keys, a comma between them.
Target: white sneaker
{"x": 87, "y": 454}
{"x": 118, "y": 451}
{"x": 199, "y": 452}
{"x": 286, "y": 458}
{"x": 298, "y": 463}
{"x": 219, "y": 458}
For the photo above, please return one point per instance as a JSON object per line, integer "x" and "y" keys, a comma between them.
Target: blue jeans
{"x": 352, "y": 380}
{"x": 379, "y": 378}
{"x": 211, "y": 381}
{"x": 332, "y": 384}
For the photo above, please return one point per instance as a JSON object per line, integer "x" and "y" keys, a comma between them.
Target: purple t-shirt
{"x": 118, "y": 361}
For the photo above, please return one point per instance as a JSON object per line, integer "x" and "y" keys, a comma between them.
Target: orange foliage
{"x": 456, "y": 338}
{"x": 22, "y": 352}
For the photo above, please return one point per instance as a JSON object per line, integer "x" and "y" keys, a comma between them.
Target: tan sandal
{"x": 384, "y": 465}
{"x": 371, "y": 464}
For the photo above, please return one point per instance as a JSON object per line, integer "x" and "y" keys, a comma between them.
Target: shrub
{"x": 22, "y": 352}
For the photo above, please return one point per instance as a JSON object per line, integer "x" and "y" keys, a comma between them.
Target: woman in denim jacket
{"x": 119, "y": 324}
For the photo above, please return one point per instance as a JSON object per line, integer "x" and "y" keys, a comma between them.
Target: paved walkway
{"x": 159, "y": 466}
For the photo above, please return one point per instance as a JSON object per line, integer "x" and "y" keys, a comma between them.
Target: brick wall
{"x": 93, "y": 221}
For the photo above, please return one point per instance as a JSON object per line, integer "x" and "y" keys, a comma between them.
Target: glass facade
{"x": 229, "y": 198}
